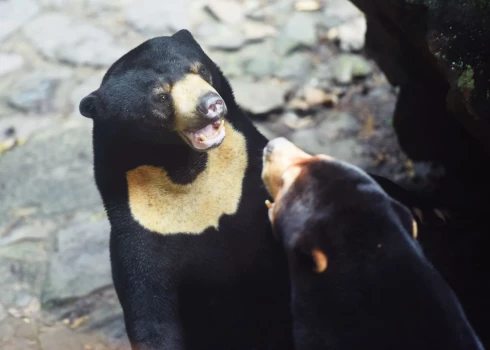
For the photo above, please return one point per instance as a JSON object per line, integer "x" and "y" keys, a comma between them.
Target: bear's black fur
{"x": 358, "y": 278}
{"x": 221, "y": 288}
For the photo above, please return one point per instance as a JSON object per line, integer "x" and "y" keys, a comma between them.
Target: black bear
{"x": 358, "y": 278}
{"x": 178, "y": 165}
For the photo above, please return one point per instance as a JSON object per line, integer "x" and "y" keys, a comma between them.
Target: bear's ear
{"x": 308, "y": 255}
{"x": 183, "y": 35}
{"x": 88, "y": 106}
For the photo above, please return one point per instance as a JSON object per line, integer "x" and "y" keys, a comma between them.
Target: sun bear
{"x": 177, "y": 164}
{"x": 359, "y": 279}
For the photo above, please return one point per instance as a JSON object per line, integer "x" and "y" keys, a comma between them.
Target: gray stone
{"x": 23, "y": 299}
{"x": 80, "y": 265}
{"x": 102, "y": 4}
{"x": 205, "y": 29}
{"x": 157, "y": 17}
{"x": 234, "y": 63}
{"x": 6, "y": 331}
{"x": 21, "y": 276}
{"x": 340, "y": 11}
{"x": 296, "y": 65}
{"x": 347, "y": 66}
{"x": 35, "y": 92}
{"x": 20, "y": 344}
{"x": 3, "y": 312}
{"x": 298, "y": 31}
{"x": 259, "y": 97}
{"x": 274, "y": 12}
{"x": 25, "y": 250}
{"x": 254, "y": 49}
{"x": 14, "y": 13}
{"x": 51, "y": 173}
{"x": 64, "y": 38}
{"x": 57, "y": 4}
{"x": 60, "y": 337}
{"x": 256, "y": 14}
{"x": 261, "y": 66}
{"x": 107, "y": 319}
{"x": 256, "y": 31}
{"x": 230, "y": 63}
{"x": 10, "y": 62}
{"x": 226, "y": 38}
{"x": 321, "y": 75}
{"x": 227, "y": 11}
{"x": 30, "y": 230}
{"x": 21, "y": 128}
{"x": 327, "y": 138}
{"x": 273, "y": 127}
{"x": 351, "y": 34}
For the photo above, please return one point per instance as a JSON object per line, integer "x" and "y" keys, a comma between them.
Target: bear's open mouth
{"x": 210, "y": 136}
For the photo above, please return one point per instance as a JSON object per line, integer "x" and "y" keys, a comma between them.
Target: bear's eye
{"x": 163, "y": 97}
{"x": 205, "y": 74}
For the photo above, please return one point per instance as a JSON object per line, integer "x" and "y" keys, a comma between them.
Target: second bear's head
{"x": 167, "y": 90}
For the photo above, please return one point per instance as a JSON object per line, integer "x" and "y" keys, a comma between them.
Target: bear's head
{"x": 167, "y": 90}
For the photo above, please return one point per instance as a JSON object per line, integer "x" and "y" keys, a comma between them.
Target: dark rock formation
{"x": 438, "y": 53}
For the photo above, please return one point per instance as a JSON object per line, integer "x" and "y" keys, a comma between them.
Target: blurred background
{"x": 297, "y": 67}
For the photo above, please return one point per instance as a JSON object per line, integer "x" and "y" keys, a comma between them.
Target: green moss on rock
{"x": 465, "y": 80}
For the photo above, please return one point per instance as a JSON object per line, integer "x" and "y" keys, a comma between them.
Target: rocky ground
{"x": 296, "y": 66}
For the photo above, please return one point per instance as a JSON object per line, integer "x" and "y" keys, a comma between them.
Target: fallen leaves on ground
{"x": 368, "y": 128}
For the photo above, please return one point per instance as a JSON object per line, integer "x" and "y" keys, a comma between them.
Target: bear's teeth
{"x": 217, "y": 124}
{"x": 202, "y": 138}
{"x": 268, "y": 204}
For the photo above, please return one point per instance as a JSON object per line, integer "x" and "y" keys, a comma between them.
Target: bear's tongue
{"x": 208, "y": 136}
{"x": 208, "y": 131}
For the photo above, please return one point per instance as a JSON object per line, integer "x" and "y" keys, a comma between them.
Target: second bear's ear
{"x": 88, "y": 106}
{"x": 309, "y": 256}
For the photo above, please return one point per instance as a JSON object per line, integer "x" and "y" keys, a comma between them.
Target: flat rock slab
{"x": 332, "y": 136}
{"x": 346, "y": 67}
{"x": 15, "y": 13}
{"x": 156, "y": 17}
{"x": 64, "y": 38}
{"x": 62, "y": 338}
{"x": 227, "y": 11}
{"x": 80, "y": 264}
{"x": 298, "y": 31}
{"x": 21, "y": 280}
{"x": 259, "y": 97}
{"x": 20, "y": 127}
{"x": 24, "y": 257}
{"x": 51, "y": 173}
{"x": 10, "y": 62}
{"x": 35, "y": 92}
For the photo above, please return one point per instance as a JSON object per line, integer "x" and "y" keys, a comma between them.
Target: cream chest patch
{"x": 162, "y": 206}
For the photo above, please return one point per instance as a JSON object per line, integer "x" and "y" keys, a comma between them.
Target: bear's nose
{"x": 212, "y": 106}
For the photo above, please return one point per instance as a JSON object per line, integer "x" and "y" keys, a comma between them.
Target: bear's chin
{"x": 209, "y": 137}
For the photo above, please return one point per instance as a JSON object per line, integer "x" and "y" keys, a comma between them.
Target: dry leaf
{"x": 79, "y": 321}
{"x": 314, "y": 97}
{"x": 368, "y": 129}
{"x": 308, "y": 5}
{"x": 299, "y": 123}
{"x": 23, "y": 212}
{"x": 380, "y": 158}
{"x": 6, "y": 145}
{"x": 332, "y": 34}
{"x": 296, "y": 103}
